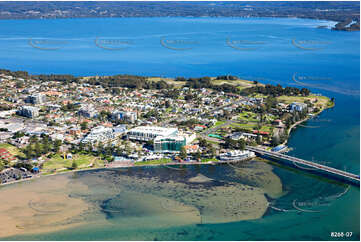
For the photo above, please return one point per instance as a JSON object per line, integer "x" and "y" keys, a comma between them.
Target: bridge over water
{"x": 309, "y": 166}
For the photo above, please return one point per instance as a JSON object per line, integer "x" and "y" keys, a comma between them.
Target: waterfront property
{"x": 99, "y": 134}
{"x": 295, "y": 106}
{"x": 169, "y": 143}
{"x": 236, "y": 155}
{"x": 146, "y": 133}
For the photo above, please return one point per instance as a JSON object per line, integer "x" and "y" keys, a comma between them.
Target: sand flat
{"x": 38, "y": 206}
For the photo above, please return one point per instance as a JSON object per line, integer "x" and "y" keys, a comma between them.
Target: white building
{"x": 298, "y": 106}
{"x": 146, "y": 133}
{"x": 37, "y": 98}
{"x": 237, "y": 155}
{"x": 88, "y": 111}
{"x": 126, "y": 116}
{"x": 29, "y": 111}
{"x": 99, "y": 134}
{"x": 169, "y": 144}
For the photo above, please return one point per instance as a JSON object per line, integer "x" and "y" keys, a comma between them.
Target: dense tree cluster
{"x": 128, "y": 81}
{"x": 54, "y": 77}
{"x": 113, "y": 83}
{"x": 276, "y": 90}
{"x": 205, "y": 82}
{"x": 42, "y": 77}
{"x": 227, "y": 77}
{"x": 37, "y": 147}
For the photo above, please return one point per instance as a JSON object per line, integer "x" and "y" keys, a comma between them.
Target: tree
{"x": 74, "y": 165}
{"x": 213, "y": 152}
{"x": 275, "y": 141}
{"x": 202, "y": 142}
{"x": 198, "y": 155}
{"x": 183, "y": 153}
{"x": 46, "y": 145}
{"x": 81, "y": 146}
{"x": 242, "y": 144}
{"x": 37, "y": 149}
{"x": 84, "y": 125}
{"x": 259, "y": 139}
{"x": 18, "y": 135}
{"x": 305, "y": 92}
{"x": 89, "y": 147}
{"x": 28, "y": 151}
{"x": 57, "y": 144}
{"x": 2, "y": 165}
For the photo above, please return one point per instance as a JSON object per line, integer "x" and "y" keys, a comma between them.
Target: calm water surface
{"x": 286, "y": 51}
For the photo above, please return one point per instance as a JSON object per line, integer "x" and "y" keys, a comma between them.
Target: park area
{"x": 58, "y": 164}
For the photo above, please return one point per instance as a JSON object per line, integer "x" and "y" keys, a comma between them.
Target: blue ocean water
{"x": 286, "y": 51}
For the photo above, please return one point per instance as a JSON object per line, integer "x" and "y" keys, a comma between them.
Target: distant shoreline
{"x": 330, "y": 25}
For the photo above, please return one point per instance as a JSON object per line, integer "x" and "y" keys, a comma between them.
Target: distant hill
{"x": 342, "y": 12}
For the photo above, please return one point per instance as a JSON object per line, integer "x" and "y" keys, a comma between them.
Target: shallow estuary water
{"x": 253, "y": 201}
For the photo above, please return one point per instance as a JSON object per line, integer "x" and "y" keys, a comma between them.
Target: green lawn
{"x": 252, "y": 127}
{"x": 153, "y": 162}
{"x": 244, "y": 126}
{"x": 208, "y": 159}
{"x": 248, "y": 116}
{"x": 266, "y": 128}
{"x": 240, "y": 83}
{"x": 218, "y": 123}
{"x": 321, "y": 100}
{"x": 57, "y": 162}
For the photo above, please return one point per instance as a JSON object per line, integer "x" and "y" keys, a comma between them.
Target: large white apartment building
{"x": 99, "y": 134}
{"x": 146, "y": 133}
{"x": 29, "y": 111}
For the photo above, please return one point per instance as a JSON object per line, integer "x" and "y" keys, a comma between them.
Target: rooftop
{"x": 154, "y": 130}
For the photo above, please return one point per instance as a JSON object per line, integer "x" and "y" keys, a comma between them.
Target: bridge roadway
{"x": 343, "y": 174}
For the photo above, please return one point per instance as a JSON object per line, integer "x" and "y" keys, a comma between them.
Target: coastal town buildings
{"x": 139, "y": 124}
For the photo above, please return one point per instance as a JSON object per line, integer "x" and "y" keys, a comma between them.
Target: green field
{"x": 248, "y": 116}
{"x": 251, "y": 127}
{"x": 240, "y": 83}
{"x": 208, "y": 159}
{"x": 218, "y": 123}
{"x": 57, "y": 162}
{"x": 322, "y": 101}
{"x": 153, "y": 162}
{"x": 244, "y": 126}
